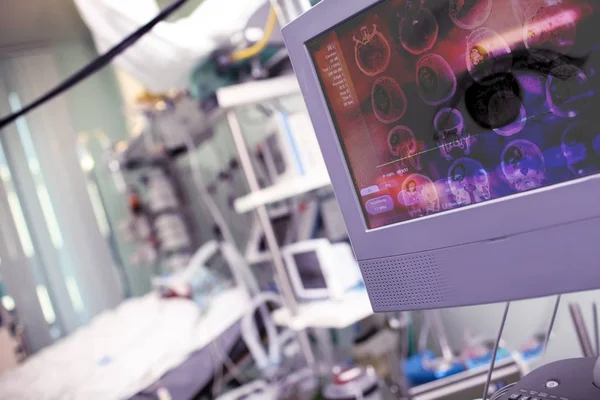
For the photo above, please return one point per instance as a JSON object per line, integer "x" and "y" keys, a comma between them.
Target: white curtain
{"x": 165, "y": 57}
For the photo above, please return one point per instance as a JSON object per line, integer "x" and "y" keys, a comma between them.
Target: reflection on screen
{"x": 440, "y": 104}
{"x": 309, "y": 270}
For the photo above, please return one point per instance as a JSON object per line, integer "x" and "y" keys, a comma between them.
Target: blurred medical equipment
{"x": 332, "y": 219}
{"x": 355, "y": 383}
{"x": 214, "y": 268}
{"x": 292, "y": 150}
{"x": 319, "y": 269}
{"x": 282, "y": 219}
{"x": 375, "y": 191}
{"x": 292, "y": 223}
{"x": 425, "y": 366}
{"x": 256, "y": 390}
{"x": 160, "y": 220}
{"x": 282, "y": 374}
{"x": 166, "y": 57}
{"x": 12, "y": 345}
{"x": 127, "y": 350}
{"x": 402, "y": 191}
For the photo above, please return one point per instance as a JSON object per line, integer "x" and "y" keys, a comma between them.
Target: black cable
{"x": 96, "y": 65}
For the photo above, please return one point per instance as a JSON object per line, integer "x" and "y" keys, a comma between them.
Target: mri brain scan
{"x": 449, "y": 127}
{"x": 469, "y": 181}
{"x": 523, "y": 165}
{"x": 568, "y": 91}
{"x": 419, "y": 195}
{"x": 418, "y": 29}
{"x": 388, "y": 100}
{"x": 403, "y": 146}
{"x": 470, "y": 14}
{"x": 435, "y": 79}
{"x": 487, "y": 53}
{"x": 371, "y": 51}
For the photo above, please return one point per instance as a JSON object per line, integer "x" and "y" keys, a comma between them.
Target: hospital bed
{"x": 144, "y": 344}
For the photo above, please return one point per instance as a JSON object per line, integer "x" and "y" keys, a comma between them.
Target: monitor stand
{"x": 566, "y": 379}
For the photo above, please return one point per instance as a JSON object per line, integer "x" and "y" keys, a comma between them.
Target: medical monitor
{"x": 462, "y": 139}
{"x": 319, "y": 269}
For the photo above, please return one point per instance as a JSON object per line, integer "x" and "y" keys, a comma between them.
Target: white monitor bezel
{"x": 490, "y": 221}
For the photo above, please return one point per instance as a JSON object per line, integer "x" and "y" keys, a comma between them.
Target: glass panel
{"x": 34, "y": 168}
{"x": 28, "y": 248}
{"x": 15, "y": 207}
{"x": 444, "y": 118}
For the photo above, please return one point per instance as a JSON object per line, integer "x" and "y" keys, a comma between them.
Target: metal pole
{"x": 596, "y": 329}
{"x": 495, "y": 352}
{"x": 289, "y": 300}
{"x": 581, "y": 329}
{"x": 549, "y": 331}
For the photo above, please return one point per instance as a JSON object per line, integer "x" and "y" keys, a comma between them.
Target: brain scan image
{"x": 403, "y": 146}
{"x": 419, "y": 196}
{"x": 371, "y": 51}
{"x": 581, "y": 147}
{"x": 507, "y": 113}
{"x": 487, "y": 53}
{"x": 435, "y": 79}
{"x": 451, "y": 138}
{"x": 418, "y": 28}
{"x": 568, "y": 91}
{"x": 469, "y": 182}
{"x": 470, "y": 14}
{"x": 523, "y": 165}
{"x": 388, "y": 100}
{"x": 549, "y": 26}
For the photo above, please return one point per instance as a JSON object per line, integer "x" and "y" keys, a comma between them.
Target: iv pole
{"x": 283, "y": 281}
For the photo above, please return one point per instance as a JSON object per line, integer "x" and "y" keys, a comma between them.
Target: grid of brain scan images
{"x": 442, "y": 104}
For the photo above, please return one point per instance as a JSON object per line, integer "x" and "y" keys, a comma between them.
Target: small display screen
{"x": 441, "y": 104}
{"x": 310, "y": 271}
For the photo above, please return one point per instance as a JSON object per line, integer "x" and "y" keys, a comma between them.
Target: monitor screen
{"x": 309, "y": 270}
{"x": 442, "y": 104}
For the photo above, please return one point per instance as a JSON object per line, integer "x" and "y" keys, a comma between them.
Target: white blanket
{"x": 123, "y": 351}
{"x": 165, "y": 57}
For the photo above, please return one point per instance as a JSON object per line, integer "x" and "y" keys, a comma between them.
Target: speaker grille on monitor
{"x": 405, "y": 282}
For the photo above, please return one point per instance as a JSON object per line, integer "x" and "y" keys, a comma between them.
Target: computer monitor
{"x": 319, "y": 269}
{"x": 462, "y": 142}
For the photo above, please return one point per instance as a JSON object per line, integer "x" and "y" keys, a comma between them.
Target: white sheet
{"x": 165, "y": 57}
{"x": 124, "y": 351}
